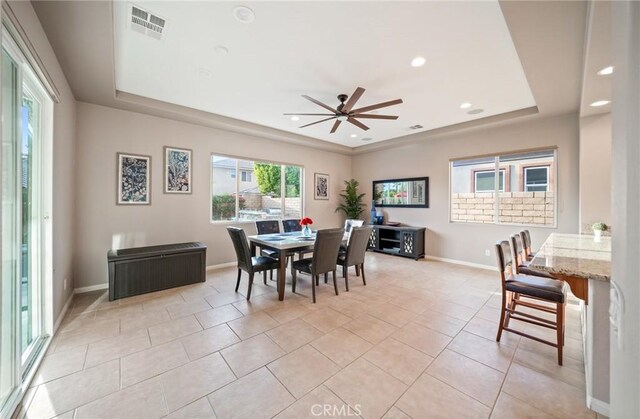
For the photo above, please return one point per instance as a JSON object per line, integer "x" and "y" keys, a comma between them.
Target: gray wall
{"x": 64, "y": 142}
{"x": 101, "y": 224}
{"x": 430, "y": 157}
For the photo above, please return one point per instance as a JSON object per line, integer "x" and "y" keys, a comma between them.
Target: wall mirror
{"x": 408, "y": 192}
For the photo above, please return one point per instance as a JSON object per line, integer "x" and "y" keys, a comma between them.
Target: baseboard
{"x": 90, "y": 288}
{"x": 598, "y": 406}
{"x": 67, "y": 304}
{"x": 221, "y": 266}
{"x": 462, "y": 262}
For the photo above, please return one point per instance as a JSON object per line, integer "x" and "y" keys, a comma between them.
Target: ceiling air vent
{"x": 415, "y": 127}
{"x": 147, "y": 23}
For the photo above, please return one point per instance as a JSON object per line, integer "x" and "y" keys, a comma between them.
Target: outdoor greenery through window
{"x": 525, "y": 189}
{"x": 246, "y": 190}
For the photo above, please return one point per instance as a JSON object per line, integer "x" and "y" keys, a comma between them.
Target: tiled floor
{"x": 417, "y": 341}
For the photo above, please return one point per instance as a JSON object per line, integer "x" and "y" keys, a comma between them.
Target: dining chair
{"x": 323, "y": 261}
{"x": 291, "y": 225}
{"x": 516, "y": 287}
{"x": 248, "y": 263}
{"x": 526, "y": 244}
{"x": 521, "y": 265}
{"x": 268, "y": 227}
{"x": 350, "y": 223}
{"x": 355, "y": 253}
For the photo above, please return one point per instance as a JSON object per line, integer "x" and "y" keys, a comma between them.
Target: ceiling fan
{"x": 345, "y": 112}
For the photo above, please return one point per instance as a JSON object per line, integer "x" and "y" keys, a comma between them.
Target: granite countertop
{"x": 575, "y": 255}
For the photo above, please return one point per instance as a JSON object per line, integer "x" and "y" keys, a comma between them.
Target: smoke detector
{"x": 145, "y": 22}
{"x": 415, "y": 127}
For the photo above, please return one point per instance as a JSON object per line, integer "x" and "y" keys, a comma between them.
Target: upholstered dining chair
{"x": 323, "y": 261}
{"x": 291, "y": 225}
{"x": 355, "y": 253}
{"x": 526, "y": 244}
{"x": 521, "y": 265}
{"x": 515, "y": 288}
{"x": 248, "y": 263}
{"x": 268, "y": 227}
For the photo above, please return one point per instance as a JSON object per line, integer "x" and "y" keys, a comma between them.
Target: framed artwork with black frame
{"x": 321, "y": 186}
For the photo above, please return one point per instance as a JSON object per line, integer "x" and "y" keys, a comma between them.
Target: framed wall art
{"x": 177, "y": 170}
{"x": 321, "y": 186}
{"x": 134, "y": 179}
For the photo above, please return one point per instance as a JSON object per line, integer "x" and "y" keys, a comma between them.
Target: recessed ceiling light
{"x": 295, "y": 118}
{"x": 204, "y": 72}
{"x": 367, "y": 139}
{"x": 418, "y": 62}
{"x": 465, "y": 105}
{"x": 606, "y": 71}
{"x": 244, "y": 14}
{"x": 599, "y": 103}
{"x": 220, "y": 50}
{"x": 354, "y": 135}
{"x": 475, "y": 111}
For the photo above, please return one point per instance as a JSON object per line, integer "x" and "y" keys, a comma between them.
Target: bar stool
{"x": 521, "y": 265}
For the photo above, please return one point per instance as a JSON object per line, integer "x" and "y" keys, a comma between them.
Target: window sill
{"x": 554, "y": 226}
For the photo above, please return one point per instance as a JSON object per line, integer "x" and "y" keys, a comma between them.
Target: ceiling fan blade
{"x": 317, "y": 122}
{"x": 352, "y": 100}
{"x": 335, "y": 126}
{"x": 357, "y": 123}
{"x": 369, "y": 116}
{"x": 377, "y": 106}
{"x": 317, "y": 102}
{"x": 309, "y": 114}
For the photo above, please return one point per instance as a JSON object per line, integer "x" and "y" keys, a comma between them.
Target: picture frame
{"x": 320, "y": 186}
{"x": 177, "y": 171}
{"x": 402, "y": 193}
{"x": 133, "y": 179}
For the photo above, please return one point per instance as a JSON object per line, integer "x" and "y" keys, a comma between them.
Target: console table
{"x": 398, "y": 240}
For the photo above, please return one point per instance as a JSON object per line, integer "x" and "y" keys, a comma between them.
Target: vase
{"x": 373, "y": 212}
{"x": 306, "y": 231}
{"x": 597, "y": 235}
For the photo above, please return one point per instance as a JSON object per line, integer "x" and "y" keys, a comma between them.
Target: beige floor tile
{"x": 187, "y": 308}
{"x": 440, "y": 401}
{"x": 66, "y": 393}
{"x": 292, "y": 335}
{"x": 144, "y": 320}
{"x": 194, "y": 380}
{"x": 508, "y": 407}
{"x": 326, "y": 319}
{"x": 143, "y": 400}
{"x": 68, "y": 415}
{"x": 76, "y": 321}
{"x": 491, "y": 353}
{"x": 208, "y": 341}
{"x": 320, "y": 402}
{"x": 162, "y": 302}
{"x": 101, "y": 330}
{"x": 60, "y": 364}
{"x": 570, "y": 372}
{"x": 286, "y": 314}
{"x": 218, "y": 316}
{"x": 349, "y": 307}
{"x": 224, "y": 298}
{"x": 392, "y": 314}
{"x": 251, "y": 354}
{"x": 454, "y": 310}
{"x": 440, "y": 322}
{"x": 423, "y": 339}
{"x": 400, "y": 360}
{"x": 174, "y": 329}
{"x": 341, "y": 346}
{"x": 471, "y": 377}
{"x": 395, "y": 413}
{"x": 151, "y": 362}
{"x": 257, "y": 395}
{"x": 253, "y": 324}
{"x": 200, "y": 409}
{"x": 119, "y": 312}
{"x": 117, "y": 347}
{"x": 302, "y": 370}
{"x": 489, "y": 313}
{"x": 489, "y": 330}
{"x": 546, "y": 393}
{"x": 370, "y": 328}
{"x": 367, "y": 388}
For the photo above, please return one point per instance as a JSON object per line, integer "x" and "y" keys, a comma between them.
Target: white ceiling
{"x": 323, "y": 49}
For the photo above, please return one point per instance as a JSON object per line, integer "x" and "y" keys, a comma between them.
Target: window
{"x": 524, "y": 193}
{"x": 536, "y": 179}
{"x": 485, "y": 180}
{"x": 256, "y": 191}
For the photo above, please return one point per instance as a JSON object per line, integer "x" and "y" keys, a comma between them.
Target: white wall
{"x": 595, "y": 170}
{"x": 430, "y": 157}
{"x": 102, "y": 132}
{"x": 64, "y": 140}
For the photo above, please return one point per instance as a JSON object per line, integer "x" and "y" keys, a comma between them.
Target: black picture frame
{"x": 414, "y": 193}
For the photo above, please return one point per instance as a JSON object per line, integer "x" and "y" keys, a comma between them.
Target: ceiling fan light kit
{"x": 345, "y": 112}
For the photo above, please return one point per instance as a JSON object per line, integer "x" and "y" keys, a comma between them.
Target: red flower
{"x": 306, "y": 221}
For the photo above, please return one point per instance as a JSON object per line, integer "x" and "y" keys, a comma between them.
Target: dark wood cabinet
{"x": 401, "y": 240}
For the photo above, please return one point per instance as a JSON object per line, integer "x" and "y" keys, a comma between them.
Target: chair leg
{"x": 503, "y": 308}
{"x": 271, "y": 275}
{"x": 317, "y": 280}
{"x": 250, "y": 285}
{"x": 335, "y": 283}
{"x": 326, "y": 277}
{"x": 293, "y": 280}
{"x": 346, "y": 278}
{"x": 364, "y": 281}
{"x": 344, "y": 271}
{"x": 313, "y": 288}
{"x": 264, "y": 276}
{"x": 560, "y": 330}
{"x": 513, "y": 299}
{"x": 357, "y": 270}
{"x": 238, "y": 281}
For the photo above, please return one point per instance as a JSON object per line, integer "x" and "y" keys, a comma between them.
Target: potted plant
{"x": 351, "y": 203}
{"x": 598, "y": 228}
{"x": 305, "y": 222}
